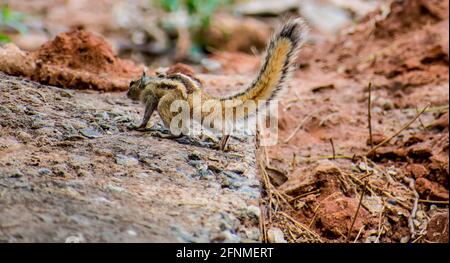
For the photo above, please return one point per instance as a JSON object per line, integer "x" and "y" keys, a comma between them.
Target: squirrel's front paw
{"x": 132, "y": 127}
{"x": 135, "y": 127}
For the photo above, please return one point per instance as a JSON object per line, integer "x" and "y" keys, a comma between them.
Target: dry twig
{"x": 356, "y": 213}
{"x": 369, "y": 114}
{"x": 404, "y": 127}
{"x": 299, "y": 126}
{"x": 332, "y": 147}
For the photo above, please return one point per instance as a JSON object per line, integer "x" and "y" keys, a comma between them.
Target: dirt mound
{"x": 405, "y": 16}
{"x": 75, "y": 60}
{"x": 438, "y": 228}
{"x": 404, "y": 46}
{"x": 324, "y": 136}
{"x": 79, "y": 59}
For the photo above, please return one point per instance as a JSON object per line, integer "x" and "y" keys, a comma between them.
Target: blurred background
{"x": 165, "y": 31}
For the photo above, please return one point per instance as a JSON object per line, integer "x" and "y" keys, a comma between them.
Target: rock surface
{"x": 61, "y": 183}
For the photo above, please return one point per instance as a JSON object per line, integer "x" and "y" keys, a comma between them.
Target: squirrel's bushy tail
{"x": 281, "y": 53}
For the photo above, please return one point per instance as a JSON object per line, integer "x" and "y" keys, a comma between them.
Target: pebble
{"x": 211, "y": 65}
{"x": 39, "y": 123}
{"x": 275, "y": 235}
{"x": 23, "y": 136}
{"x": 91, "y": 133}
{"x": 404, "y": 239}
{"x": 102, "y": 199}
{"x": 252, "y": 233}
{"x": 226, "y": 237}
{"x": 44, "y": 171}
{"x": 229, "y": 222}
{"x": 253, "y": 212}
{"x": 131, "y": 232}
{"x": 4, "y": 111}
{"x": 126, "y": 160}
{"x": 182, "y": 234}
{"x": 16, "y": 174}
{"x": 114, "y": 188}
{"x": 374, "y": 204}
{"x": 194, "y": 156}
{"x": 142, "y": 175}
{"x": 237, "y": 168}
{"x": 364, "y": 167}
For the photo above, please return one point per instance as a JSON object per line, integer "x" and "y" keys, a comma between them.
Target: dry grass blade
{"x": 359, "y": 234}
{"x": 369, "y": 114}
{"x": 332, "y": 148}
{"x": 299, "y": 126}
{"x": 302, "y": 226}
{"x": 404, "y": 127}
{"x": 434, "y": 202}
{"x": 356, "y": 213}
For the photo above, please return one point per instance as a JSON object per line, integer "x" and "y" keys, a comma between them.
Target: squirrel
{"x": 160, "y": 91}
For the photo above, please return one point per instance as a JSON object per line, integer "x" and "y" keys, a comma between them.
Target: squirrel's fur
{"x": 158, "y": 93}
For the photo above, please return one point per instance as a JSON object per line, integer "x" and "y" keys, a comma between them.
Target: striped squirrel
{"x": 160, "y": 91}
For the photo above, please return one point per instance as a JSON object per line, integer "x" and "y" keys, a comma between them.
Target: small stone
{"x": 420, "y": 152}
{"x": 194, "y": 156}
{"x": 83, "y": 173}
{"x": 44, "y": 171}
{"x": 102, "y": 199}
{"x": 131, "y": 232}
{"x": 211, "y": 65}
{"x": 23, "y": 136}
{"x": 275, "y": 235}
{"x": 60, "y": 171}
{"x": 404, "y": 239}
{"x": 38, "y": 123}
{"x": 238, "y": 168}
{"x": 226, "y": 237}
{"x": 102, "y": 115}
{"x": 195, "y": 163}
{"x": 104, "y": 152}
{"x": 4, "y": 111}
{"x": 364, "y": 167}
{"x": 386, "y": 104}
{"x": 142, "y": 175}
{"x": 416, "y": 170}
{"x": 126, "y": 160}
{"x": 253, "y": 212}
{"x": 437, "y": 230}
{"x": 66, "y": 93}
{"x": 391, "y": 171}
{"x": 431, "y": 190}
{"x": 114, "y": 188}
{"x": 252, "y": 233}
{"x": 373, "y": 203}
{"x": 440, "y": 123}
{"x": 16, "y": 174}
{"x": 228, "y": 222}
{"x": 215, "y": 168}
{"x": 91, "y": 133}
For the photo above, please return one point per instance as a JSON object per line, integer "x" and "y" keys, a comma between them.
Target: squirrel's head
{"x": 137, "y": 86}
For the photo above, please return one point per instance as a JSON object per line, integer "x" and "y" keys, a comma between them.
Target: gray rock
{"x": 23, "y": 136}
{"x": 253, "y": 212}
{"x": 114, "y": 188}
{"x": 44, "y": 171}
{"x": 226, "y": 237}
{"x": 275, "y": 235}
{"x": 91, "y": 133}
{"x": 126, "y": 160}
